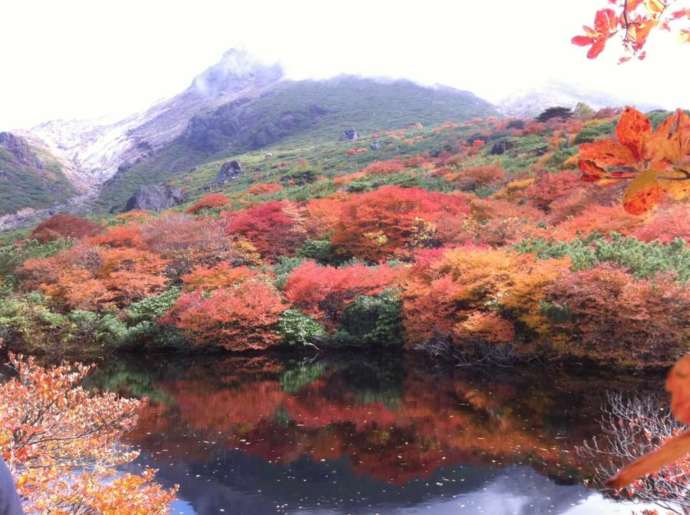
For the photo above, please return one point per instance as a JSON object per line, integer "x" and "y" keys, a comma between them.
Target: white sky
{"x": 89, "y": 58}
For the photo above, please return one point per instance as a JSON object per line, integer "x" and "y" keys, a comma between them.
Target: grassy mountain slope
{"x": 295, "y": 114}
{"x": 29, "y": 177}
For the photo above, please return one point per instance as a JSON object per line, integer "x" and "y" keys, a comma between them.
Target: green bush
{"x": 12, "y": 255}
{"x": 296, "y": 328}
{"x": 372, "y": 321}
{"x": 320, "y": 251}
{"x": 641, "y": 259}
{"x": 283, "y": 267}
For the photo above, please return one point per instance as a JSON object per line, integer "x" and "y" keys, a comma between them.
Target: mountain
{"x": 97, "y": 150}
{"x": 236, "y": 105}
{"x": 30, "y": 176}
{"x": 533, "y": 101}
{"x": 295, "y": 113}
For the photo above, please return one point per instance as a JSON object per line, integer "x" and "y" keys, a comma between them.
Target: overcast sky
{"x": 89, "y": 58}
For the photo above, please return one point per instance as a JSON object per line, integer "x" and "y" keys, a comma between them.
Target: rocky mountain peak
{"x": 235, "y": 71}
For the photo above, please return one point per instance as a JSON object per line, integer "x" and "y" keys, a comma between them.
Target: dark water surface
{"x": 366, "y": 435}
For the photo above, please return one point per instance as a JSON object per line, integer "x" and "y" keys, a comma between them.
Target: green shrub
{"x": 641, "y": 259}
{"x": 320, "y": 251}
{"x": 372, "y": 321}
{"x": 12, "y": 255}
{"x": 296, "y": 328}
{"x": 283, "y": 267}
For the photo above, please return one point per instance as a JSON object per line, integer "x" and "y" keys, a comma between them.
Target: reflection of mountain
{"x": 350, "y": 436}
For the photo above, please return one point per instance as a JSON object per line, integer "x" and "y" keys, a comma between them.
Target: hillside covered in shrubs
{"x": 478, "y": 238}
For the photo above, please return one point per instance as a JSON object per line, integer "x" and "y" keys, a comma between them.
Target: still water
{"x": 366, "y": 435}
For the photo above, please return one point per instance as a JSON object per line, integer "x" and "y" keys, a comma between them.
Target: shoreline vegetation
{"x": 478, "y": 239}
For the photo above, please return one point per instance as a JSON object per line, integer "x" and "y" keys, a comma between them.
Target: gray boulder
{"x": 155, "y": 197}
{"x": 229, "y": 171}
{"x": 350, "y": 135}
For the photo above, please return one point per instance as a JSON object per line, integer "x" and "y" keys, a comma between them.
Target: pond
{"x": 369, "y": 434}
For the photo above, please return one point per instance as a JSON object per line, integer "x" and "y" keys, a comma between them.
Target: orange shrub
{"x": 219, "y": 276}
{"x": 610, "y": 315}
{"x": 474, "y": 294}
{"x": 210, "y": 201}
{"x": 265, "y": 188}
{"x": 126, "y": 235}
{"x": 92, "y": 278}
{"x": 472, "y": 178}
{"x": 602, "y": 219}
{"x": 322, "y": 216}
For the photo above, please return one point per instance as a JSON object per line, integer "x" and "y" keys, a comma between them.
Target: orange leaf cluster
{"x": 656, "y": 160}
{"x": 93, "y": 278}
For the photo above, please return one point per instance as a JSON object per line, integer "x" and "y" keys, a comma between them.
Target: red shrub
{"x": 237, "y": 318}
{"x": 666, "y": 224}
{"x": 64, "y": 225}
{"x": 602, "y": 219}
{"x": 549, "y": 187}
{"x": 275, "y": 228}
{"x": 325, "y": 291}
{"x": 187, "y": 241}
{"x": 391, "y": 220}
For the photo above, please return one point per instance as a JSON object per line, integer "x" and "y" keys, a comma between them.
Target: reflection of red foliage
{"x": 432, "y": 424}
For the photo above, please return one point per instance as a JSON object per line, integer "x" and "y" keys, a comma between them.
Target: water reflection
{"x": 367, "y": 435}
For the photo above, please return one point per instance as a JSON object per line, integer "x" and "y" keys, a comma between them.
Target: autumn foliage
{"x": 63, "y": 443}
{"x": 325, "y": 291}
{"x": 653, "y": 160}
{"x": 632, "y": 21}
{"x": 210, "y": 201}
{"x": 274, "y": 228}
{"x": 392, "y": 221}
{"x": 64, "y": 225}
{"x": 95, "y": 278}
{"x": 240, "y": 316}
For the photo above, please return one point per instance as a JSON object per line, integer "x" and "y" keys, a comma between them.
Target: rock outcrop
{"x": 155, "y": 197}
{"x": 228, "y": 171}
{"x": 20, "y": 150}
